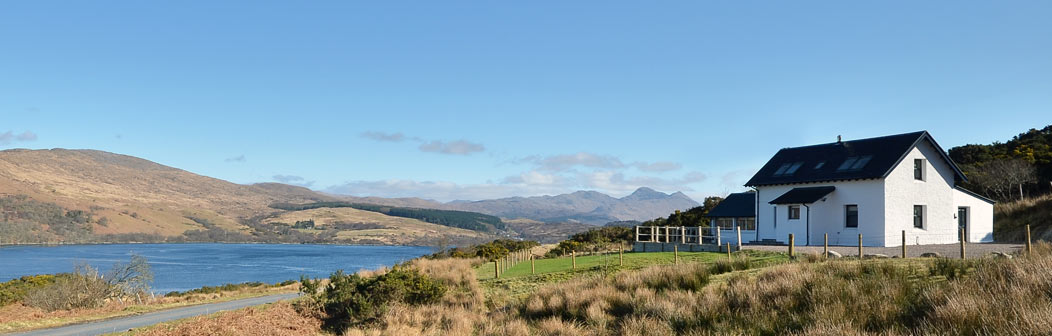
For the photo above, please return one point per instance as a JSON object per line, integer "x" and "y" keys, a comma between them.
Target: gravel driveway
{"x": 974, "y": 250}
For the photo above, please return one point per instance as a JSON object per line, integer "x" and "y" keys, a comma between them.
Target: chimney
{"x": 838, "y": 138}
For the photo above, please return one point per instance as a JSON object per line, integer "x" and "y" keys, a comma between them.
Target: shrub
{"x": 16, "y": 289}
{"x": 86, "y": 288}
{"x": 354, "y": 300}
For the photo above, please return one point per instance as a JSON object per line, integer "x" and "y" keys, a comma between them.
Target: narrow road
{"x": 125, "y": 323}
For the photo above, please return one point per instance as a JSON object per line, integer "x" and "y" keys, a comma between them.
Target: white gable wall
{"x": 981, "y": 217}
{"x": 936, "y": 193}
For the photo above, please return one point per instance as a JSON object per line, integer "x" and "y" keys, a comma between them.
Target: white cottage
{"x": 876, "y": 187}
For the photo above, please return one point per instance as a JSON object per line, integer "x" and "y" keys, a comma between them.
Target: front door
{"x": 962, "y": 220}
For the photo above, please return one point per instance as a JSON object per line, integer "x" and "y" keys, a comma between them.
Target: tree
{"x": 1000, "y": 177}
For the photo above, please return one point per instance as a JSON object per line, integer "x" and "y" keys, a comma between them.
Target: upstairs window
{"x": 854, "y": 163}
{"x": 918, "y": 169}
{"x": 794, "y": 212}
{"x": 820, "y": 165}
{"x": 851, "y": 216}
{"x": 788, "y": 169}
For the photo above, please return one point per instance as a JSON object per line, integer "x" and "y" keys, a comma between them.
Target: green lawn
{"x": 633, "y": 260}
{"x": 518, "y": 282}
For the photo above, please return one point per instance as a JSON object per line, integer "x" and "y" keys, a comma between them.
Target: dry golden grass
{"x": 17, "y": 316}
{"x": 1011, "y": 218}
{"x": 277, "y": 319}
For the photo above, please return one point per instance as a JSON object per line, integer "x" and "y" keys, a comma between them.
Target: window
{"x": 794, "y": 212}
{"x": 847, "y": 163}
{"x": 788, "y": 169}
{"x": 747, "y": 223}
{"x": 851, "y": 216}
{"x": 918, "y": 169}
{"x": 781, "y": 170}
{"x": 918, "y": 216}
{"x": 855, "y": 163}
{"x": 861, "y": 163}
{"x": 725, "y": 223}
{"x": 820, "y": 164}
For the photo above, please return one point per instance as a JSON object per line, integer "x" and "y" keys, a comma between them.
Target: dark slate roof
{"x": 736, "y": 205}
{"x": 976, "y": 195}
{"x": 886, "y": 152}
{"x": 806, "y": 195}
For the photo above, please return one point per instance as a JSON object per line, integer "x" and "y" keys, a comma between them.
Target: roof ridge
{"x": 919, "y": 133}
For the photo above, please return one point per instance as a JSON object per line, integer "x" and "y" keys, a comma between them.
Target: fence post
{"x": 683, "y": 234}
{"x": 621, "y": 254}
{"x": 637, "y": 233}
{"x": 738, "y": 229}
{"x": 573, "y": 258}
{"x": 496, "y": 268}
{"x": 719, "y": 241}
{"x": 962, "y": 242}
{"x": 903, "y": 244}
{"x": 1029, "y": 248}
{"x": 729, "y": 250}
{"x": 667, "y": 239}
{"x": 792, "y": 240}
{"x": 860, "y": 246}
{"x": 675, "y": 253}
{"x": 825, "y": 245}
{"x": 533, "y": 265}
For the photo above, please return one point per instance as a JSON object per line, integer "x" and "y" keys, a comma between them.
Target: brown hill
{"x": 122, "y": 194}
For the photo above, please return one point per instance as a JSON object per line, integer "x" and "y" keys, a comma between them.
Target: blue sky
{"x": 470, "y": 100}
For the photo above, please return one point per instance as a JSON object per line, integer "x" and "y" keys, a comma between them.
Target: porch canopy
{"x": 806, "y": 195}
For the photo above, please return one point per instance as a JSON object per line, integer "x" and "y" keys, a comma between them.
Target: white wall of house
{"x": 826, "y": 216}
{"x": 935, "y": 192}
{"x": 980, "y": 216}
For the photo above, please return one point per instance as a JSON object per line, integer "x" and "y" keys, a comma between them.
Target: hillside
{"x": 590, "y": 207}
{"x": 1011, "y": 218}
{"x": 88, "y": 195}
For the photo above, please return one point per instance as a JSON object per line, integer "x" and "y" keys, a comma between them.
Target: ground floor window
{"x": 918, "y": 216}
{"x": 747, "y": 223}
{"x": 851, "y": 216}
{"x": 725, "y": 223}
{"x": 794, "y": 212}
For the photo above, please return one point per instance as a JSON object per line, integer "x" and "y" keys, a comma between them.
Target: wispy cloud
{"x": 384, "y": 137}
{"x": 10, "y": 137}
{"x": 459, "y": 147}
{"x": 239, "y": 158}
{"x": 293, "y": 180}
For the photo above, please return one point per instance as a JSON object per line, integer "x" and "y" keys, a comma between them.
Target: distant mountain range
{"x": 590, "y": 207}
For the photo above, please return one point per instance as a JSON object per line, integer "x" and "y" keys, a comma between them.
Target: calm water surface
{"x": 179, "y": 267}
